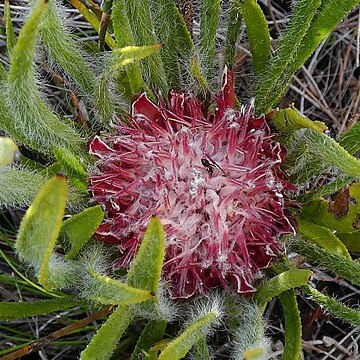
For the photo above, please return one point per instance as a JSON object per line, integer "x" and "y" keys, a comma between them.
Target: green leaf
{"x": 171, "y": 30}
{"x": 332, "y": 187}
{"x": 21, "y": 310}
{"x": 197, "y": 74}
{"x": 310, "y": 153}
{"x": 323, "y": 237}
{"x": 273, "y": 82}
{"x": 328, "y": 16}
{"x": 293, "y": 342}
{"x": 200, "y": 350}
{"x": 152, "y": 333}
{"x": 280, "y": 283}
{"x": 258, "y": 34}
{"x": 209, "y": 21}
{"x": 338, "y": 264}
{"x": 66, "y": 52}
{"x": 40, "y": 227}
{"x": 145, "y": 270}
{"x": 350, "y": 140}
{"x": 249, "y": 335}
{"x": 80, "y": 227}
{"x": 233, "y": 31}
{"x": 141, "y": 23}
{"x": 75, "y": 170}
{"x": 33, "y": 123}
{"x": 128, "y": 55}
{"x": 290, "y": 119}
{"x": 124, "y": 37}
{"x": 9, "y": 152}
{"x": 180, "y": 346}
{"x": 333, "y": 306}
{"x": 104, "y": 342}
{"x": 64, "y": 49}
{"x": 110, "y": 291}
{"x": 342, "y": 214}
{"x": 10, "y": 35}
{"x": 351, "y": 240}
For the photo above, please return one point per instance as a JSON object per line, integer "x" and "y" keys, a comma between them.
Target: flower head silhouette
{"x": 213, "y": 179}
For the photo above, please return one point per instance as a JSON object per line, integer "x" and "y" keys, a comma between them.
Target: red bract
{"x": 214, "y": 180}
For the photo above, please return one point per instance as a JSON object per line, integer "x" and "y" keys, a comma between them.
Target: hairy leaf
{"x": 323, "y": 237}
{"x": 33, "y": 122}
{"x": 293, "y": 342}
{"x": 145, "y": 270}
{"x": 233, "y": 31}
{"x": 80, "y": 227}
{"x": 258, "y": 34}
{"x": 110, "y": 291}
{"x": 10, "y": 35}
{"x": 181, "y": 345}
{"x": 40, "y": 227}
{"x": 280, "y": 283}
{"x": 24, "y": 309}
{"x": 209, "y": 22}
{"x": 103, "y": 344}
{"x": 273, "y": 82}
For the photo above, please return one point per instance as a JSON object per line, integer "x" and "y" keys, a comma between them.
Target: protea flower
{"x": 213, "y": 179}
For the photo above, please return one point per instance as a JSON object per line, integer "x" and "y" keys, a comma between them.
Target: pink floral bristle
{"x": 214, "y": 180}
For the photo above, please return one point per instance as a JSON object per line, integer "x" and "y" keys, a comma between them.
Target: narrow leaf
{"x": 350, "y": 140}
{"x": 129, "y": 54}
{"x": 278, "y": 284}
{"x": 200, "y": 350}
{"x": 333, "y": 306}
{"x": 18, "y": 187}
{"x": 75, "y": 170}
{"x": 80, "y": 227}
{"x": 209, "y": 22}
{"x": 181, "y": 345}
{"x": 290, "y": 119}
{"x": 141, "y": 23}
{"x": 171, "y": 30}
{"x": 124, "y": 37}
{"x": 110, "y": 291}
{"x": 338, "y": 264}
{"x": 152, "y": 333}
{"x": 258, "y": 34}
{"x": 332, "y": 187}
{"x": 40, "y": 227}
{"x": 145, "y": 270}
{"x": 293, "y": 343}
{"x": 33, "y": 122}
{"x": 233, "y": 31}
{"x": 104, "y": 342}
{"x": 328, "y": 16}
{"x": 21, "y": 310}
{"x": 10, "y": 35}
{"x": 272, "y": 83}
{"x": 351, "y": 240}
{"x": 323, "y": 237}
{"x": 310, "y": 153}
{"x": 64, "y": 50}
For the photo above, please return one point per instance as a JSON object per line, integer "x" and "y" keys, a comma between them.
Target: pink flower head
{"x": 213, "y": 179}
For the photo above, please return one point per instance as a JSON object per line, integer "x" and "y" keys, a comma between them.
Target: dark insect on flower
{"x": 209, "y": 167}
{"x": 222, "y": 226}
